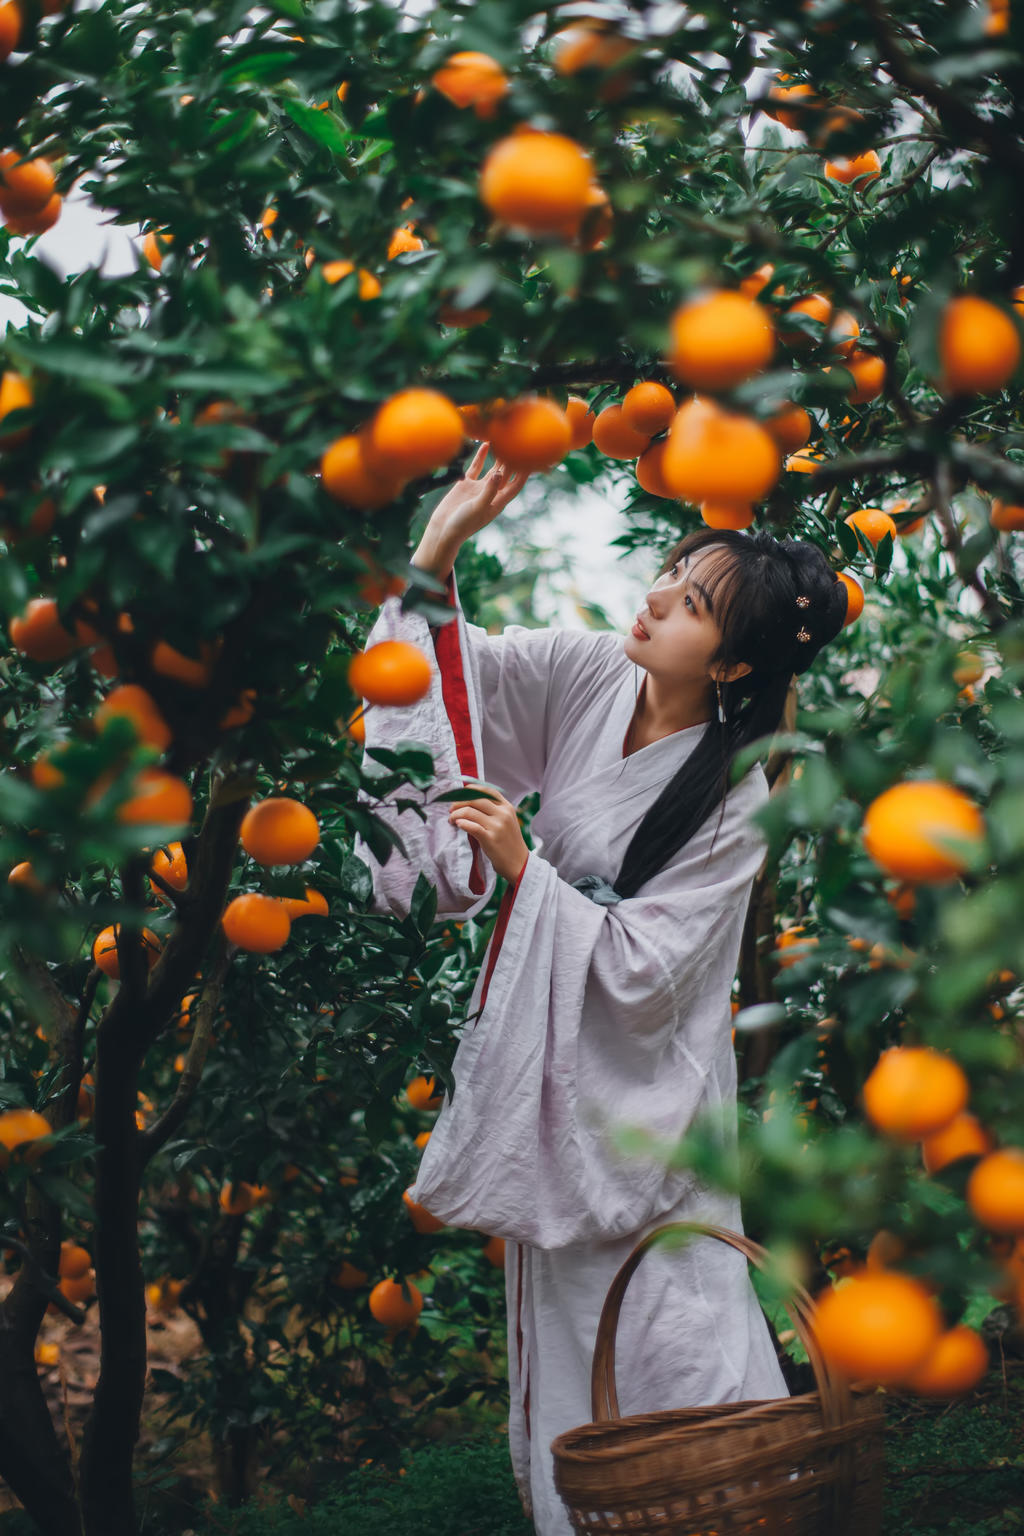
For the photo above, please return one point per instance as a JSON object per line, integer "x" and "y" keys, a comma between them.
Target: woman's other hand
{"x": 495, "y": 825}
{"x": 476, "y": 500}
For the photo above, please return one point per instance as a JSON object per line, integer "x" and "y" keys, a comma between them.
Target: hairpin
{"x": 803, "y": 601}
{"x": 803, "y": 634}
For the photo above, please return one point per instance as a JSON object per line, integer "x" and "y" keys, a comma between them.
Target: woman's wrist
{"x": 436, "y": 553}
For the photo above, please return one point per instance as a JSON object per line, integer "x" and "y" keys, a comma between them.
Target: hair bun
{"x": 819, "y": 609}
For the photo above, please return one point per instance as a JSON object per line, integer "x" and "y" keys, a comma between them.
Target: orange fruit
{"x": 349, "y": 1278}
{"x": 256, "y": 923}
{"x": 16, "y": 394}
{"x": 279, "y": 831}
{"x": 422, "y": 1093}
{"x": 25, "y": 224}
{"x": 868, "y": 372}
{"x": 756, "y": 282}
{"x": 159, "y": 797}
{"x": 313, "y": 904}
{"x": 472, "y": 80}
{"x": 39, "y": 634}
{"x": 817, "y": 306}
{"x": 421, "y": 1218}
{"x": 236, "y": 1199}
{"x": 390, "y": 672}
{"x": 719, "y": 339}
{"x": 804, "y": 462}
{"x": 476, "y": 419}
{"x": 788, "y": 101}
{"x": 614, "y": 437}
{"x": 877, "y": 1327}
{"x": 140, "y": 708}
{"x": 539, "y": 182}
{"x": 649, "y": 471}
{"x": 969, "y": 668}
{"x": 979, "y": 346}
{"x": 963, "y": 1136}
{"x": 531, "y": 435}
{"x": 788, "y": 939}
{"x": 169, "y": 863}
{"x": 1006, "y": 517}
{"x": 957, "y": 1363}
{"x": 494, "y": 1251}
{"x": 906, "y": 827}
{"x": 104, "y": 950}
{"x": 10, "y": 29}
{"x": 860, "y": 168}
{"x": 403, "y": 240}
{"x": 995, "y": 1191}
{"x": 421, "y": 1140}
{"x": 154, "y": 245}
{"x": 913, "y": 1091}
{"x": 22, "y": 874}
{"x": 843, "y": 333}
{"x": 714, "y": 456}
{"x": 18, "y": 1128}
{"x": 45, "y": 1353}
{"x": 412, "y": 433}
{"x": 25, "y": 188}
{"x": 394, "y": 1305}
{"x": 74, "y": 1261}
{"x": 854, "y": 598}
{"x": 334, "y": 271}
{"x": 240, "y": 712}
{"x": 346, "y": 477}
{"x": 727, "y": 514}
{"x": 594, "y": 44}
{"x": 873, "y": 524}
{"x": 193, "y": 671}
{"x": 791, "y": 427}
{"x": 648, "y": 408}
{"x": 581, "y": 421}
{"x": 79, "y": 1288}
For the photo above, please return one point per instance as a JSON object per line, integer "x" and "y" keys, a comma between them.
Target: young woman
{"x": 604, "y": 996}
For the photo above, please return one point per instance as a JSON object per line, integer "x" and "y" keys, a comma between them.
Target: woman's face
{"x": 682, "y": 629}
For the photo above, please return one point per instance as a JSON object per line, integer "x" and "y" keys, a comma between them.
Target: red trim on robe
{"x": 456, "y": 703}
{"x": 519, "y": 1336}
{"x": 500, "y": 924}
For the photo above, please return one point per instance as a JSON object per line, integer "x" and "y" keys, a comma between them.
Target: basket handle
{"x": 833, "y": 1389}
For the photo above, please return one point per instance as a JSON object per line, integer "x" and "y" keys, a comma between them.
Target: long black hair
{"x": 776, "y": 603}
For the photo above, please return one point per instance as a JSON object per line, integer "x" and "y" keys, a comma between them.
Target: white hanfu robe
{"x": 592, "y": 1014}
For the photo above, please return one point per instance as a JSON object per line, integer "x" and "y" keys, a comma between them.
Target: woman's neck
{"x": 656, "y": 716}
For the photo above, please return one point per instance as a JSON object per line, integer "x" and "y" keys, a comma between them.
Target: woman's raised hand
{"x": 476, "y": 500}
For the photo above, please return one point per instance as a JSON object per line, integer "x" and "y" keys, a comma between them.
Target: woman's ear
{"x": 730, "y": 674}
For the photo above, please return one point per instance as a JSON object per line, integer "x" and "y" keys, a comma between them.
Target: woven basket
{"x": 803, "y": 1466}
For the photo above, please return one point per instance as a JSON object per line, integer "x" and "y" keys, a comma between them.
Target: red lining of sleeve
{"x": 500, "y": 924}
{"x": 456, "y": 703}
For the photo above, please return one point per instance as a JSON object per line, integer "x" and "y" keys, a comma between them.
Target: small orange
{"x": 718, "y": 456}
{"x": 412, "y": 433}
{"x": 648, "y": 407}
{"x": 402, "y": 240}
{"x": 957, "y": 1363}
{"x": 313, "y": 904}
{"x": 133, "y": 702}
{"x": 791, "y": 427}
{"x": 349, "y": 1277}
{"x": 256, "y": 923}
{"x": 27, "y": 224}
{"x": 963, "y": 1136}
{"x": 969, "y": 668}
{"x": 16, "y": 394}
{"x": 104, "y": 950}
{"x": 581, "y": 421}
{"x": 1006, "y": 517}
{"x": 369, "y": 286}
{"x": 757, "y": 281}
{"x": 154, "y": 245}
{"x": 472, "y": 80}
{"x": 237, "y": 1199}
{"x": 873, "y": 524}
{"x": 877, "y": 1327}
{"x": 595, "y": 44}
{"x": 240, "y": 712}
{"x": 995, "y": 1191}
{"x": 854, "y": 597}
{"x": 390, "y": 672}
{"x": 346, "y": 477}
{"x": 719, "y": 339}
{"x": 649, "y": 471}
{"x": 536, "y": 181}
{"x": 421, "y": 1218}
{"x": 979, "y": 346}
{"x": 790, "y": 103}
{"x": 25, "y": 188}
{"x": 818, "y": 307}
{"x": 78, "y": 1288}
{"x": 804, "y": 462}
{"x": 395, "y": 1305}
{"x": 616, "y": 438}
{"x": 906, "y": 826}
{"x": 869, "y": 373}
{"x": 279, "y": 831}
{"x": 421, "y": 1140}
{"x": 18, "y": 1128}
{"x": 531, "y": 435}
{"x": 727, "y": 514}
{"x": 913, "y": 1091}
{"x": 74, "y": 1261}
{"x": 159, "y": 798}
{"x": 169, "y": 863}
{"x": 39, "y": 634}
{"x": 421, "y": 1093}
{"x": 23, "y": 874}
{"x": 860, "y": 168}
{"x": 843, "y": 333}
{"x": 10, "y": 28}
{"x": 789, "y": 939}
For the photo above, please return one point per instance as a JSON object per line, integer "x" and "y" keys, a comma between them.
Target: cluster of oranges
{"x": 800, "y": 108}
{"x": 29, "y": 201}
{"x": 276, "y": 831}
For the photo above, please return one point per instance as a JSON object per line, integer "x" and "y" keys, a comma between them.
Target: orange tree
{"x": 366, "y": 238}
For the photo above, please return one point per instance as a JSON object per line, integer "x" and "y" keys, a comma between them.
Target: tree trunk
{"x": 33, "y": 1463}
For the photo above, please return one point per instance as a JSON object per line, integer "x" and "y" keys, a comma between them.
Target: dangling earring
{"x": 721, "y": 706}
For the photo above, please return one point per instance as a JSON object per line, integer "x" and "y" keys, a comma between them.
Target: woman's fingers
{"x": 476, "y": 463}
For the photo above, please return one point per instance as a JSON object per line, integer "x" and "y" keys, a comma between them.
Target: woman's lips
{"x": 640, "y": 634}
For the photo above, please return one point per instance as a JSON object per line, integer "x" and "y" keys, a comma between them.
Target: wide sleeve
{"x": 486, "y": 716}
{"x": 595, "y": 1017}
